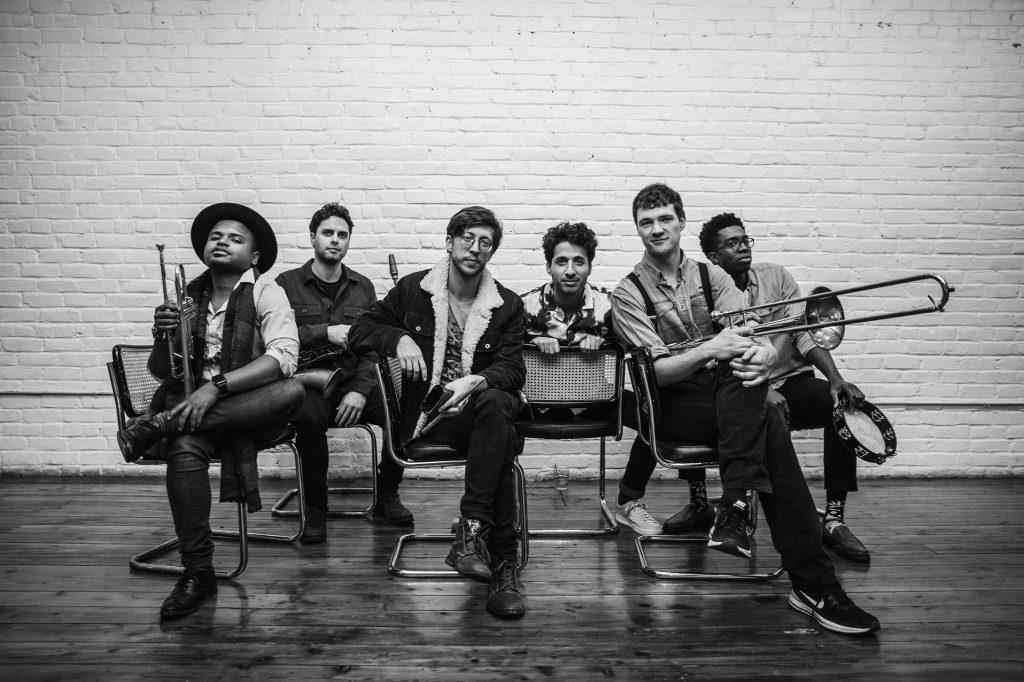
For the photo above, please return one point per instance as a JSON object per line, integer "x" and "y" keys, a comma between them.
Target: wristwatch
{"x": 221, "y": 383}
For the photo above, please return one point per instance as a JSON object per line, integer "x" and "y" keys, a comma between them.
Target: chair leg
{"x": 280, "y": 508}
{"x": 143, "y": 561}
{"x": 613, "y": 525}
{"x": 409, "y": 538}
{"x": 702, "y": 540}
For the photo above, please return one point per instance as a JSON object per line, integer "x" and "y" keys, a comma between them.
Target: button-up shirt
{"x": 769, "y": 283}
{"x": 276, "y": 331}
{"x": 544, "y": 317}
{"x": 680, "y": 309}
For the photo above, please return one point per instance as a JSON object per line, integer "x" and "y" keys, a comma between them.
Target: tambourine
{"x": 865, "y": 432}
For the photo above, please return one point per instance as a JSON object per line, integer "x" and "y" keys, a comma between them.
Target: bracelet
{"x": 160, "y": 334}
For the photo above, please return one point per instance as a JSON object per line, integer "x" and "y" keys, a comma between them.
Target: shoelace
{"x": 640, "y": 510}
{"x": 838, "y": 595}
{"x": 736, "y": 519}
{"x": 505, "y": 577}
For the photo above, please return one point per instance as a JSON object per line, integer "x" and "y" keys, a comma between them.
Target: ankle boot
{"x": 503, "y": 597}
{"x": 469, "y": 555}
{"x": 315, "y": 530}
{"x": 142, "y": 433}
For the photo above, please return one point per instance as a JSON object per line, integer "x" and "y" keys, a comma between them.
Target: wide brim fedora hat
{"x": 266, "y": 242}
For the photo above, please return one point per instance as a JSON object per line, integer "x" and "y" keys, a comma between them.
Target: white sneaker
{"x": 635, "y": 515}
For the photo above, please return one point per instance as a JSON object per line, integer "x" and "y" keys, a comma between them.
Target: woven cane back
{"x": 572, "y": 377}
{"x": 136, "y": 383}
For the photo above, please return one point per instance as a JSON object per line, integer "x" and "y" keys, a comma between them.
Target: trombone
{"x": 823, "y": 314}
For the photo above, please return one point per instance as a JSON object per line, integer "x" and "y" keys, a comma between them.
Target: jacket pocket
{"x": 309, "y": 314}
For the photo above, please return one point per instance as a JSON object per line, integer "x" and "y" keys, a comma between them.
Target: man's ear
{"x": 255, "y": 258}
{"x": 548, "y": 266}
{"x": 713, "y": 257}
{"x": 449, "y": 242}
{"x": 312, "y": 238}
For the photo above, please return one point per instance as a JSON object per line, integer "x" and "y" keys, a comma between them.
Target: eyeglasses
{"x": 483, "y": 243}
{"x": 734, "y": 243}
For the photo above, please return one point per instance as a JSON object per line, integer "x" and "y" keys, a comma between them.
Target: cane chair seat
{"x": 678, "y": 455}
{"x": 574, "y": 384}
{"x": 423, "y": 452}
{"x": 133, "y": 387}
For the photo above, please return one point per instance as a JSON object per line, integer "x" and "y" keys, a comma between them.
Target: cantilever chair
{"x": 676, "y": 455}
{"x": 281, "y": 506}
{"x": 133, "y": 388}
{"x": 572, "y": 378}
{"x": 423, "y": 452}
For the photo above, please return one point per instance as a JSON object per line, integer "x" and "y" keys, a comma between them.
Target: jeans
{"x": 265, "y": 411}
{"x": 311, "y": 424}
{"x": 810, "y": 406}
{"x": 755, "y": 452}
{"x": 485, "y": 430}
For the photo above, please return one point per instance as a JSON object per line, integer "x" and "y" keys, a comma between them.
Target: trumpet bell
{"x": 827, "y": 309}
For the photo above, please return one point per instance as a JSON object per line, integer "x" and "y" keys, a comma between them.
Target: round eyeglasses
{"x": 467, "y": 239}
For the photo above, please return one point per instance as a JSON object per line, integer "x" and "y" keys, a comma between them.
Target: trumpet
{"x": 186, "y": 314}
{"x": 823, "y": 317}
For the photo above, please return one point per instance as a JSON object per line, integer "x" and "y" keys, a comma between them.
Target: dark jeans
{"x": 810, "y": 407}
{"x": 755, "y": 452}
{"x": 264, "y": 410}
{"x": 311, "y": 424}
{"x": 485, "y": 430}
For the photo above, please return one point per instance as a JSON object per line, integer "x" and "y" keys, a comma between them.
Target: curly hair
{"x": 574, "y": 233}
{"x": 712, "y": 227}
{"x": 475, "y": 216}
{"x": 326, "y": 211}
{"x": 655, "y": 195}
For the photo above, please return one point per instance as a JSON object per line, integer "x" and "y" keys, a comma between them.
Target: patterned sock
{"x": 698, "y": 494}
{"x": 835, "y": 507}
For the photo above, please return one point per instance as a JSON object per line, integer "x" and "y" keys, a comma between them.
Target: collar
{"x": 487, "y": 295}
{"x": 647, "y": 263}
{"x": 548, "y": 297}
{"x": 248, "y": 277}
{"x": 309, "y": 277}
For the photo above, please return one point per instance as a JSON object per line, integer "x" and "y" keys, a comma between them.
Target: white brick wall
{"x": 860, "y": 140}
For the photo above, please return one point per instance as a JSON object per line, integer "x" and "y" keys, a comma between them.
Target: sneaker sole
{"x": 808, "y": 610}
{"x": 730, "y": 548}
{"x": 623, "y": 521}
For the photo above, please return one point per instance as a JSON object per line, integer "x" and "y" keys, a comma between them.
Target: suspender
{"x": 648, "y": 303}
{"x": 705, "y": 283}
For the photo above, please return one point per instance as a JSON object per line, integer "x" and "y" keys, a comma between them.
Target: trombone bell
{"x": 827, "y": 309}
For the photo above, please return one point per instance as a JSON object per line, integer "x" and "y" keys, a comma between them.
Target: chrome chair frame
{"x": 573, "y": 378}
{"x": 280, "y": 507}
{"x": 389, "y": 379}
{"x": 690, "y": 456}
{"x": 133, "y": 389}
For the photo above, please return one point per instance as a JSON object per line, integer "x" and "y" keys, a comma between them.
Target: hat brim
{"x": 266, "y": 242}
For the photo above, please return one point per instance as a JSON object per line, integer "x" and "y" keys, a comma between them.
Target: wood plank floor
{"x": 945, "y": 582}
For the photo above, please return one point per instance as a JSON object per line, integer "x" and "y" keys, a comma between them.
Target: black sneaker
{"x": 729, "y": 534}
{"x": 691, "y": 519}
{"x": 389, "y": 506}
{"x": 834, "y": 610}
{"x": 503, "y": 597}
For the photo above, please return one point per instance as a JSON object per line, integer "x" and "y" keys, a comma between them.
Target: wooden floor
{"x": 946, "y": 582}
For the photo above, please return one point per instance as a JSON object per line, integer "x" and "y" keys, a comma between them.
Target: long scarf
{"x": 239, "y": 480}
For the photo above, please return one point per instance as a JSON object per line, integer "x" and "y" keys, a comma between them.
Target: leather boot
{"x": 389, "y": 506}
{"x": 469, "y": 555}
{"x": 315, "y": 530}
{"x": 189, "y": 593}
{"x": 142, "y": 433}
{"x": 503, "y": 597}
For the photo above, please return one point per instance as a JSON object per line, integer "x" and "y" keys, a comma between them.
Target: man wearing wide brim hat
{"x": 244, "y": 349}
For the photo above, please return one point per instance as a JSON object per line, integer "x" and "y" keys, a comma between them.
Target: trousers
{"x": 311, "y": 423}
{"x": 485, "y": 430}
{"x": 265, "y": 410}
